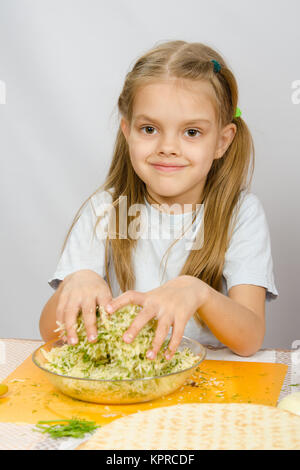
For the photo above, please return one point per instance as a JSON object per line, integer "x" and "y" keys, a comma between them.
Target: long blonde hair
{"x": 227, "y": 178}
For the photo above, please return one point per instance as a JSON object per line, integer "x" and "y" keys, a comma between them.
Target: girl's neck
{"x": 151, "y": 200}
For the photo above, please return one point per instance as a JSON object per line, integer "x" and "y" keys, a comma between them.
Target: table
{"x": 14, "y": 351}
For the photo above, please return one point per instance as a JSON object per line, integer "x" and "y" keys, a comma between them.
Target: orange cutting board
{"x": 32, "y": 398}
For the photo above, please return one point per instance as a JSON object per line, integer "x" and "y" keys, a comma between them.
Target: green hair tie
{"x": 238, "y": 113}
{"x": 217, "y": 66}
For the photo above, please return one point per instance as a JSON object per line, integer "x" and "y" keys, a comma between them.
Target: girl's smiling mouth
{"x": 168, "y": 168}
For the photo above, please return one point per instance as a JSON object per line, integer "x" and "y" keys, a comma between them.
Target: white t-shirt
{"x": 248, "y": 259}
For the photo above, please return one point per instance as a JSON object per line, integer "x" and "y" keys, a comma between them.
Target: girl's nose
{"x": 168, "y": 146}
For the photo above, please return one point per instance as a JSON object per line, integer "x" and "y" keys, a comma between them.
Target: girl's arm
{"x": 240, "y": 325}
{"x": 48, "y": 317}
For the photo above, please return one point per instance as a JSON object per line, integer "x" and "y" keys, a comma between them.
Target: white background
{"x": 64, "y": 63}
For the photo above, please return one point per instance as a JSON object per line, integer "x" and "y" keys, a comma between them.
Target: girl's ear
{"x": 226, "y": 136}
{"x": 125, "y": 127}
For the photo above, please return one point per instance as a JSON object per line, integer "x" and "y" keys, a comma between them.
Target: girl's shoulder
{"x": 249, "y": 211}
{"x": 248, "y": 200}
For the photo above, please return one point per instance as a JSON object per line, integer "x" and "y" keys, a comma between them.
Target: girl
{"x": 181, "y": 142}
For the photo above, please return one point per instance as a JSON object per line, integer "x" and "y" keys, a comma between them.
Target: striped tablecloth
{"x": 14, "y": 351}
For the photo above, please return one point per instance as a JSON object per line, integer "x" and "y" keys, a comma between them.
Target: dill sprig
{"x": 71, "y": 427}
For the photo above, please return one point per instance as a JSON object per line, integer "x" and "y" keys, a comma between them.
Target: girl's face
{"x": 174, "y": 123}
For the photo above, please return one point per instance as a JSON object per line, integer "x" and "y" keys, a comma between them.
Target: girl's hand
{"x": 173, "y": 303}
{"x": 84, "y": 289}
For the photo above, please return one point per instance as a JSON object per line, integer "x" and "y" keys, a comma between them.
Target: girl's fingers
{"x": 128, "y": 297}
{"x": 177, "y": 333}
{"x": 61, "y": 306}
{"x": 70, "y": 315}
{"x": 89, "y": 319}
{"x": 138, "y": 323}
{"x": 104, "y": 300}
{"x": 162, "y": 330}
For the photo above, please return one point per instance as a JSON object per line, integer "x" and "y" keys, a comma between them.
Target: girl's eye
{"x": 147, "y": 127}
{"x": 193, "y": 130}
{"x": 189, "y": 130}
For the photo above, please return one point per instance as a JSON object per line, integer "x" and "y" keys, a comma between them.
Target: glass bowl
{"x": 118, "y": 391}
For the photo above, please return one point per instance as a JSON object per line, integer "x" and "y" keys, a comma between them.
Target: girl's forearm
{"x": 233, "y": 324}
{"x": 48, "y": 317}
